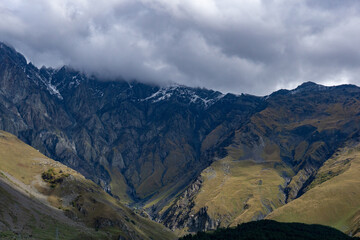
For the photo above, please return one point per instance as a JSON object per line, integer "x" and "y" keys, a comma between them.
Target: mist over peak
{"x": 253, "y": 47}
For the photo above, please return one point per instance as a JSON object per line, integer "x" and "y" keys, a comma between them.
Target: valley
{"x": 43, "y": 199}
{"x": 148, "y": 162}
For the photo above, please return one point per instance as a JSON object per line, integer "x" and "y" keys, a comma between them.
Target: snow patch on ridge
{"x": 51, "y": 88}
{"x": 75, "y": 81}
{"x": 189, "y": 95}
{"x": 160, "y": 95}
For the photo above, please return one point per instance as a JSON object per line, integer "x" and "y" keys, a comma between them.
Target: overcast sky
{"x": 247, "y": 46}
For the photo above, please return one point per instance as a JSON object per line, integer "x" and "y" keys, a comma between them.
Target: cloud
{"x": 250, "y": 46}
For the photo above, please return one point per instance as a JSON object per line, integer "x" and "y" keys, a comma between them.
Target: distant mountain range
{"x": 194, "y": 159}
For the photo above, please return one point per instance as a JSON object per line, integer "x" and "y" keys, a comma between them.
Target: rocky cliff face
{"x": 179, "y": 215}
{"x": 138, "y": 142}
{"x": 145, "y": 144}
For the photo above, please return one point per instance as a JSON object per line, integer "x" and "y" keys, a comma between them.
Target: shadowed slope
{"x": 271, "y": 230}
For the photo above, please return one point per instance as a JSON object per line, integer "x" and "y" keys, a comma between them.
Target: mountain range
{"x": 192, "y": 159}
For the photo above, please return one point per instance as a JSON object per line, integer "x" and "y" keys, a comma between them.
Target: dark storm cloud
{"x": 248, "y": 46}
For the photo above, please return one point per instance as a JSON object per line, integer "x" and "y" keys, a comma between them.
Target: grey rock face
{"x": 179, "y": 214}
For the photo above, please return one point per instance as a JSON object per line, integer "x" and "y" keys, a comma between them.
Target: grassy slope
{"x": 21, "y": 169}
{"x": 334, "y": 197}
{"x": 237, "y": 189}
{"x": 24, "y": 217}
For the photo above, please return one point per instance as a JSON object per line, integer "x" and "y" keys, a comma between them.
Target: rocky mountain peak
{"x": 11, "y": 54}
{"x": 66, "y": 78}
{"x": 304, "y": 87}
{"x": 309, "y": 86}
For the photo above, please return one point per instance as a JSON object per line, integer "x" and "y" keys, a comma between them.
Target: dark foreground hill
{"x": 272, "y": 230}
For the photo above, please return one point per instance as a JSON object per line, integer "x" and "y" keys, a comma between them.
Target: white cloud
{"x": 249, "y": 46}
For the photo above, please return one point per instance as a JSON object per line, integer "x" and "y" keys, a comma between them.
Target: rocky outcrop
{"x": 201, "y": 221}
{"x": 179, "y": 215}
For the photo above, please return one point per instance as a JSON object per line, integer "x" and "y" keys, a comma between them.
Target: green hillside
{"x": 43, "y": 199}
{"x": 333, "y": 198}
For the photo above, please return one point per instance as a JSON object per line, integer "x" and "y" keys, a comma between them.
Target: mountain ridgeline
{"x": 138, "y": 142}
{"x": 194, "y": 159}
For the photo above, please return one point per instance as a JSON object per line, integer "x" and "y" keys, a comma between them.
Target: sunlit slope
{"x": 41, "y": 198}
{"x": 239, "y": 191}
{"x": 333, "y": 198}
{"x": 243, "y": 186}
{"x": 246, "y": 185}
{"x": 22, "y": 216}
